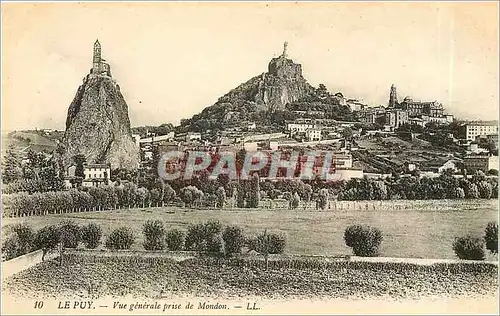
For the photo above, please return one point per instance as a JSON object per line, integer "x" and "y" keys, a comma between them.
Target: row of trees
{"x": 21, "y": 239}
{"x": 446, "y": 186}
{"x": 85, "y": 199}
{"x": 247, "y": 194}
{"x": 210, "y": 237}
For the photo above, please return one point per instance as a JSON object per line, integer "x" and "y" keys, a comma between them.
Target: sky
{"x": 172, "y": 60}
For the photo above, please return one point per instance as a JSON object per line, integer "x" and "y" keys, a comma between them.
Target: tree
{"x": 175, "y": 240}
{"x": 11, "y": 165}
{"x": 19, "y": 240}
{"x": 254, "y": 194}
{"x": 493, "y": 172}
{"x": 47, "y": 239}
{"x": 379, "y": 190}
{"x": 491, "y": 237}
{"x": 91, "y": 235}
{"x": 459, "y": 193}
{"x": 120, "y": 238}
{"x": 70, "y": 234}
{"x": 79, "y": 161}
{"x": 154, "y": 235}
{"x": 25, "y": 236}
{"x": 347, "y": 133}
{"x": 469, "y": 248}
{"x": 233, "y": 240}
{"x": 307, "y": 194}
{"x": 190, "y": 194}
{"x": 322, "y": 200}
{"x": 142, "y": 196}
{"x": 206, "y": 237}
{"x": 267, "y": 244}
{"x": 221, "y": 197}
{"x": 288, "y": 197}
{"x": 155, "y": 196}
{"x": 471, "y": 191}
{"x": 295, "y": 200}
{"x": 241, "y": 193}
{"x": 52, "y": 176}
{"x": 364, "y": 240}
{"x": 484, "y": 189}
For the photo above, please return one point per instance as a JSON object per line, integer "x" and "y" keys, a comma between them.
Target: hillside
{"x": 266, "y": 99}
{"x": 35, "y": 140}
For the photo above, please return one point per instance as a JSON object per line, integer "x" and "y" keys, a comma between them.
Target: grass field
{"x": 426, "y": 230}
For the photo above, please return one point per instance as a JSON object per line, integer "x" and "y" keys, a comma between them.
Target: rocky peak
{"x": 97, "y": 124}
{"x": 284, "y": 68}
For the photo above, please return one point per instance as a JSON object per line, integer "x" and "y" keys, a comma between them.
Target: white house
{"x": 313, "y": 134}
{"x": 295, "y": 128}
{"x": 95, "y": 174}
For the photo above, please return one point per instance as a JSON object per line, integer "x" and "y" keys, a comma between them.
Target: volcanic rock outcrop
{"x": 97, "y": 125}
{"x": 283, "y": 83}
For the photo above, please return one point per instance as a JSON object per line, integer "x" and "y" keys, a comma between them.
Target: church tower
{"x": 96, "y": 61}
{"x": 393, "y": 97}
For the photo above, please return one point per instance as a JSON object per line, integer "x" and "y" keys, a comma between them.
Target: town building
{"x": 299, "y": 128}
{"x": 373, "y": 115}
{"x": 156, "y": 139}
{"x": 94, "y": 175}
{"x": 441, "y": 165}
{"x": 355, "y": 105}
{"x": 472, "y": 130}
{"x": 444, "y": 119}
{"x": 484, "y": 163}
{"x": 396, "y": 117}
{"x": 313, "y": 134}
{"x": 418, "y": 108}
{"x": 188, "y": 137}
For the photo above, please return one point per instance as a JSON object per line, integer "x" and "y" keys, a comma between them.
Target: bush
{"x": 364, "y": 240}
{"x": 268, "y": 243}
{"x": 469, "y": 248}
{"x": 277, "y": 243}
{"x": 70, "y": 234}
{"x": 91, "y": 235}
{"x": 120, "y": 238}
{"x": 195, "y": 238}
{"x": 215, "y": 244}
{"x": 205, "y": 237}
{"x": 10, "y": 247}
{"x": 25, "y": 238}
{"x": 233, "y": 240}
{"x": 154, "y": 235}
{"x": 47, "y": 239}
{"x": 175, "y": 240}
{"x": 491, "y": 237}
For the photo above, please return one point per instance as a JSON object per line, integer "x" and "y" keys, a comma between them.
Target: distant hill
{"x": 264, "y": 99}
{"x": 37, "y": 141}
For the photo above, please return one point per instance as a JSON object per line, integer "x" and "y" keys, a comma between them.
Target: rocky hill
{"x": 271, "y": 91}
{"x": 97, "y": 124}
